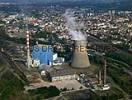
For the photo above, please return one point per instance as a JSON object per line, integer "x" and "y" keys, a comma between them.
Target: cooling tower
{"x": 80, "y": 58}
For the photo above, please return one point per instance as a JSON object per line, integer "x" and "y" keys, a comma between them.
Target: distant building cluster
{"x": 112, "y": 26}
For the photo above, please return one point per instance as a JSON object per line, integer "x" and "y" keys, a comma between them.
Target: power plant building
{"x": 44, "y": 53}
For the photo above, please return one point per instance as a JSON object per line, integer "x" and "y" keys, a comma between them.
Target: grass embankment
{"x": 117, "y": 62}
{"x": 44, "y": 92}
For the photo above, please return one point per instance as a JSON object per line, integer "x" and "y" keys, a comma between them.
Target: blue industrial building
{"x": 44, "y": 53}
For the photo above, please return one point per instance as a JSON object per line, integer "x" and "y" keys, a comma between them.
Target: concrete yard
{"x": 69, "y": 84}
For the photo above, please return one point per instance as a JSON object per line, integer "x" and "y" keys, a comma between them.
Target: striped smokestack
{"x": 28, "y": 50}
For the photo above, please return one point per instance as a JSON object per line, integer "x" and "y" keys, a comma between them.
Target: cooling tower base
{"x": 80, "y": 60}
{"x": 80, "y": 57}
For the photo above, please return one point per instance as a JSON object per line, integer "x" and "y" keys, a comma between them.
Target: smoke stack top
{"x": 73, "y": 26}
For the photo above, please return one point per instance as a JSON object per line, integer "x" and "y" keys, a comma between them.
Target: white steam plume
{"x": 73, "y": 26}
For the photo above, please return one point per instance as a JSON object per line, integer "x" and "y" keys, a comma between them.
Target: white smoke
{"x": 73, "y": 27}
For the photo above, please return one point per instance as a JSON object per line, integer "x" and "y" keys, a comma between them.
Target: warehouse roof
{"x": 68, "y": 70}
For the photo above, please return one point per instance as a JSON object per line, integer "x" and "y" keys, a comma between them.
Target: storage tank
{"x": 44, "y": 53}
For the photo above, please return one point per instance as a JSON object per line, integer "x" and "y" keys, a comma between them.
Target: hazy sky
{"x": 34, "y": 1}
{"x": 124, "y": 3}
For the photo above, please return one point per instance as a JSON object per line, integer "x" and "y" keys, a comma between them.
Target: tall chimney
{"x": 80, "y": 58}
{"x": 105, "y": 65}
{"x": 100, "y": 77}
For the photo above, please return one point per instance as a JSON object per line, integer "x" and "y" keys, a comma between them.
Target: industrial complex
{"x": 69, "y": 50}
{"x": 53, "y": 70}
